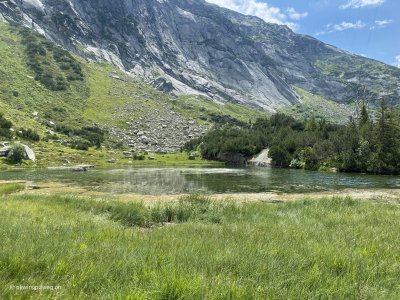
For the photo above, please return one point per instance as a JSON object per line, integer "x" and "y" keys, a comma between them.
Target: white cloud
{"x": 295, "y": 15}
{"x": 381, "y": 23}
{"x": 397, "y": 61}
{"x": 361, "y": 3}
{"x": 263, "y": 10}
{"x": 330, "y": 28}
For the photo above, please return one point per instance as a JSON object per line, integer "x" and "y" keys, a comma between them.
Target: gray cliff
{"x": 192, "y": 47}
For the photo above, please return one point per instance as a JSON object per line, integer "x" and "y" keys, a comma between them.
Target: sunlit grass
{"x": 195, "y": 248}
{"x": 10, "y": 188}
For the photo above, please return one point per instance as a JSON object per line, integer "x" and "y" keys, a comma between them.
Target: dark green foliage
{"x": 363, "y": 145}
{"x": 310, "y": 159}
{"x": 17, "y": 153}
{"x": 225, "y": 119}
{"x": 235, "y": 140}
{"x": 138, "y": 156}
{"x": 54, "y": 67}
{"x": 4, "y": 123}
{"x": 5, "y": 126}
{"x": 80, "y": 144}
{"x": 85, "y": 137}
{"x": 28, "y": 134}
{"x": 280, "y": 156}
{"x": 5, "y": 133}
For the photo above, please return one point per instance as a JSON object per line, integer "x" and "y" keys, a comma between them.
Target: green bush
{"x": 4, "y": 123}
{"x": 138, "y": 156}
{"x": 370, "y": 145}
{"x": 53, "y": 66}
{"x": 17, "y": 153}
{"x": 310, "y": 159}
{"x": 280, "y": 156}
{"x": 28, "y": 134}
{"x": 80, "y": 144}
{"x": 85, "y": 137}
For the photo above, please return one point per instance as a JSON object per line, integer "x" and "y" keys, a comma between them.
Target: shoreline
{"x": 373, "y": 195}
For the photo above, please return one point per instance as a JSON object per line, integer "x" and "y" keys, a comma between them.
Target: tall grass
{"x": 10, "y": 188}
{"x": 99, "y": 249}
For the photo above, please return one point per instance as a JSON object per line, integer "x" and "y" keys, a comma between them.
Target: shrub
{"x": 29, "y": 134}
{"x": 53, "y": 66}
{"x": 4, "y": 123}
{"x": 138, "y": 156}
{"x": 5, "y": 126}
{"x": 17, "y": 153}
{"x": 310, "y": 159}
{"x": 81, "y": 144}
{"x": 5, "y": 133}
{"x": 280, "y": 156}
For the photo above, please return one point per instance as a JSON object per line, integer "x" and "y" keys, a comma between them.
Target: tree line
{"x": 369, "y": 143}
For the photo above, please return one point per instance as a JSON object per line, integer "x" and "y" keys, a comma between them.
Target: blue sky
{"x": 365, "y": 27}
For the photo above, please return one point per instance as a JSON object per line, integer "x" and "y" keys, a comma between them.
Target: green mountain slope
{"x": 35, "y": 89}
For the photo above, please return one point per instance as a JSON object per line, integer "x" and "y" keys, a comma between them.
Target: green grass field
{"x": 195, "y": 248}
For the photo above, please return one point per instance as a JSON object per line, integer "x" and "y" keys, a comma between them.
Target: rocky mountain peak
{"x": 192, "y": 47}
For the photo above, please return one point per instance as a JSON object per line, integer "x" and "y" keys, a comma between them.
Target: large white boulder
{"x": 30, "y": 155}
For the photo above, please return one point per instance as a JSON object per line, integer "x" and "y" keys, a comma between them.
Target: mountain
{"x": 42, "y": 84}
{"x": 192, "y": 47}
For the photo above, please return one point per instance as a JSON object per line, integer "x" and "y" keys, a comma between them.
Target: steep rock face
{"x": 189, "y": 46}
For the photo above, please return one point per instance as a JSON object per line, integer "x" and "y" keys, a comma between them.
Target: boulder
{"x": 51, "y": 124}
{"x": 4, "y": 151}
{"x": 79, "y": 169}
{"x": 29, "y": 154}
{"x": 262, "y": 159}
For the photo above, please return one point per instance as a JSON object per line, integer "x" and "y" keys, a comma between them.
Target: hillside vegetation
{"x": 369, "y": 144}
{"x": 41, "y": 84}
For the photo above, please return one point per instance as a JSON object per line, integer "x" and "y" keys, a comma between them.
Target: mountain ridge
{"x": 192, "y": 47}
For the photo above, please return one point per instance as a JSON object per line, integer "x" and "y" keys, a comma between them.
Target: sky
{"x": 369, "y": 28}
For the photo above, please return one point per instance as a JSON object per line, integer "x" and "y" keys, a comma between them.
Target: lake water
{"x": 173, "y": 180}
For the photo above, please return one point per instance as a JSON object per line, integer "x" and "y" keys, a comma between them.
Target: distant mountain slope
{"x": 192, "y": 47}
{"x": 41, "y": 83}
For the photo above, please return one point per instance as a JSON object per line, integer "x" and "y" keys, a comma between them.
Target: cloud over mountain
{"x": 264, "y": 11}
{"x": 361, "y": 3}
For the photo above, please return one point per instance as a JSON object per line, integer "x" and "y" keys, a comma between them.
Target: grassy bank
{"x": 10, "y": 188}
{"x": 52, "y": 155}
{"x": 198, "y": 249}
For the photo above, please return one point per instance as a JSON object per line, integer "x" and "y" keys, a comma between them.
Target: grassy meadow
{"x": 195, "y": 248}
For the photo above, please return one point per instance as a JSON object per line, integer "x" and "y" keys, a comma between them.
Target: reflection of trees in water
{"x": 224, "y": 180}
{"x": 211, "y": 180}
{"x": 159, "y": 181}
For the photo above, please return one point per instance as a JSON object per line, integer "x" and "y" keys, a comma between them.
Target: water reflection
{"x": 158, "y": 181}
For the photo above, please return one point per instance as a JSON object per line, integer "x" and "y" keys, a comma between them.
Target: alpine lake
{"x": 205, "y": 180}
